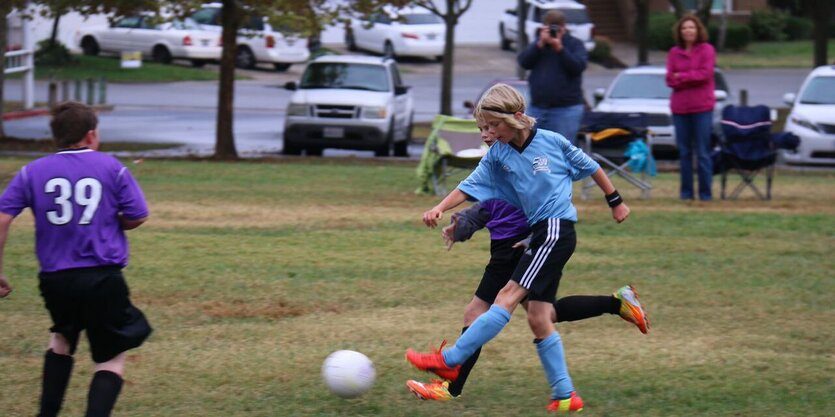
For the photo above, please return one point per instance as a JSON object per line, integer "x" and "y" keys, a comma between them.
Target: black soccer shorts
{"x": 540, "y": 269}
{"x": 503, "y": 260}
{"x": 98, "y": 300}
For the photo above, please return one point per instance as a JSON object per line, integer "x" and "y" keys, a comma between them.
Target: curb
{"x": 22, "y": 114}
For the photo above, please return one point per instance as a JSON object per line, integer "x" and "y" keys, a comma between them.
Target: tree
{"x": 642, "y": 30}
{"x": 821, "y": 14}
{"x": 453, "y": 11}
{"x": 521, "y": 34}
{"x": 702, "y": 9}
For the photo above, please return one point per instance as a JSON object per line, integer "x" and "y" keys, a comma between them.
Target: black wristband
{"x": 614, "y": 199}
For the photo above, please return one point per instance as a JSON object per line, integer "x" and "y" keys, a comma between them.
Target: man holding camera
{"x": 556, "y": 61}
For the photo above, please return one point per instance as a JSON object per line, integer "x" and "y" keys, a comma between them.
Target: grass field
{"x": 789, "y": 54}
{"x": 252, "y": 273}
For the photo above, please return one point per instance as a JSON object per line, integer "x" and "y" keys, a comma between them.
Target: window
{"x": 209, "y": 16}
{"x": 420, "y": 19}
{"x": 345, "y": 75}
{"x": 129, "y": 22}
{"x": 651, "y": 86}
{"x": 820, "y": 90}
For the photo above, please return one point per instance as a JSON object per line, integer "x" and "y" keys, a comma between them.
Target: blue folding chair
{"x": 747, "y": 148}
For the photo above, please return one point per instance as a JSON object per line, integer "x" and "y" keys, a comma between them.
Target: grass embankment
{"x": 252, "y": 273}
{"x": 794, "y": 54}
{"x": 110, "y": 68}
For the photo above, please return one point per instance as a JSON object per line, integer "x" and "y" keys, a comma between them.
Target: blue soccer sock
{"x": 484, "y": 328}
{"x": 553, "y": 361}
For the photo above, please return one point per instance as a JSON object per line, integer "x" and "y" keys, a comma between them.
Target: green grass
{"x": 252, "y": 273}
{"x": 790, "y": 54}
{"x": 109, "y": 67}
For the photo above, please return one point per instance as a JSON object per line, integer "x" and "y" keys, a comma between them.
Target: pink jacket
{"x": 693, "y": 88}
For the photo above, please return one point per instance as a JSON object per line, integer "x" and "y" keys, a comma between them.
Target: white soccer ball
{"x": 348, "y": 374}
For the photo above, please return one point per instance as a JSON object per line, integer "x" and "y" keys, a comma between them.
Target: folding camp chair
{"x": 453, "y": 145}
{"x": 608, "y": 138}
{"x": 746, "y": 148}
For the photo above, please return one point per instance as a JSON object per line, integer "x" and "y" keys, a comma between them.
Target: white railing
{"x": 23, "y": 60}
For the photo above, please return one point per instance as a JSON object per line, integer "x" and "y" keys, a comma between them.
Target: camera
{"x": 555, "y": 29}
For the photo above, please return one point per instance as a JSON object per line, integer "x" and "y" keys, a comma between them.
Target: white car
{"x": 162, "y": 42}
{"x": 349, "y": 102}
{"x": 577, "y": 21}
{"x": 644, "y": 90}
{"x": 258, "y": 41}
{"x": 812, "y": 119}
{"x": 410, "y": 31}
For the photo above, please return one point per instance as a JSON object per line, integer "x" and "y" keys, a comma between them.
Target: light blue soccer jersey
{"x": 537, "y": 177}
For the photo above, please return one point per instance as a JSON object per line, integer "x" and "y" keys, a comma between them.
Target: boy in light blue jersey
{"x": 532, "y": 169}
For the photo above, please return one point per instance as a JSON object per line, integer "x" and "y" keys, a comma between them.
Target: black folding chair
{"x": 607, "y": 138}
{"x": 747, "y": 149}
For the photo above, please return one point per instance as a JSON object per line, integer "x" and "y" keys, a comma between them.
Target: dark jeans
{"x": 563, "y": 120}
{"x": 693, "y": 136}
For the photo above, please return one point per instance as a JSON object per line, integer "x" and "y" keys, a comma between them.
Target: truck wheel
{"x": 291, "y": 149}
{"x": 503, "y": 43}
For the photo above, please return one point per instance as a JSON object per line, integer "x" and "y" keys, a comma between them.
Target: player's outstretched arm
{"x": 620, "y": 211}
{"x": 5, "y": 223}
{"x": 452, "y": 200}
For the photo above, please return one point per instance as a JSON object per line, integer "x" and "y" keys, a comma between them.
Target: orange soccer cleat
{"x": 573, "y": 403}
{"x": 630, "y": 308}
{"x": 433, "y": 362}
{"x": 435, "y": 390}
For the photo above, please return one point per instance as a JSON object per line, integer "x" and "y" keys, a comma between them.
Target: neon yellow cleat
{"x": 435, "y": 390}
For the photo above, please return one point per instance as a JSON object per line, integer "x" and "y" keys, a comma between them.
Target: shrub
{"x": 769, "y": 25}
{"x": 602, "y": 53}
{"x": 661, "y": 30}
{"x": 798, "y": 28}
{"x": 737, "y": 36}
{"x": 57, "y": 55}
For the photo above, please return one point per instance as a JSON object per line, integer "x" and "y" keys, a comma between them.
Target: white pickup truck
{"x": 577, "y": 21}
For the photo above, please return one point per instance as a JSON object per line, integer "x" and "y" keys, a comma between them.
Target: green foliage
{"x": 56, "y": 55}
{"x": 737, "y": 36}
{"x": 799, "y": 28}
{"x": 661, "y": 30}
{"x": 602, "y": 53}
{"x": 769, "y": 24}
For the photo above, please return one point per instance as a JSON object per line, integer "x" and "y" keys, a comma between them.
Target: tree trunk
{"x": 449, "y": 51}
{"x": 54, "y": 34}
{"x": 642, "y": 30}
{"x": 678, "y": 8}
{"x": 4, "y": 11}
{"x": 703, "y": 12}
{"x": 723, "y": 29}
{"x": 225, "y": 139}
{"x": 521, "y": 34}
{"x": 821, "y": 11}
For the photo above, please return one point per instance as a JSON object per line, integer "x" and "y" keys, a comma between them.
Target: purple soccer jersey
{"x": 76, "y": 197}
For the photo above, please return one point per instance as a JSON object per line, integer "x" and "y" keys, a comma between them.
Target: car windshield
{"x": 344, "y": 75}
{"x": 420, "y": 19}
{"x": 819, "y": 90}
{"x": 641, "y": 86}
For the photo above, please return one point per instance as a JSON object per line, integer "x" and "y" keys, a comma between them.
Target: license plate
{"x": 290, "y": 42}
{"x": 204, "y": 42}
{"x": 333, "y": 132}
{"x": 431, "y": 36}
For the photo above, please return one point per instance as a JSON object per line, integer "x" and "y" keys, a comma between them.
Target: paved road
{"x": 184, "y": 112}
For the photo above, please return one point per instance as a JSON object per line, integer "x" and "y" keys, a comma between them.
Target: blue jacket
{"x": 556, "y": 79}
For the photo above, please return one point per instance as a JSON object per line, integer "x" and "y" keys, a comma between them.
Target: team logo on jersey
{"x": 540, "y": 164}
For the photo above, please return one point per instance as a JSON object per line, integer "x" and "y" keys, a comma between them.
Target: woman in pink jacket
{"x": 690, "y": 74}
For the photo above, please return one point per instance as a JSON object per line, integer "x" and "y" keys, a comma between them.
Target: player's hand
{"x": 5, "y": 287}
{"x": 620, "y": 212}
{"x": 448, "y": 233}
{"x": 522, "y": 244}
{"x": 431, "y": 217}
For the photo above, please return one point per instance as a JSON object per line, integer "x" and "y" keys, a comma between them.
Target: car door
{"x": 375, "y": 36}
{"x": 143, "y": 37}
{"x": 402, "y": 102}
{"x": 116, "y": 38}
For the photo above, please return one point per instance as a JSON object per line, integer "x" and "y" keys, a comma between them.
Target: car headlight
{"x": 805, "y": 123}
{"x": 374, "y": 112}
{"x": 297, "y": 109}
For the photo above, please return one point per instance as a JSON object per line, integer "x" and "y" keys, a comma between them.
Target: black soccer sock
{"x": 457, "y": 386}
{"x": 579, "y": 307}
{"x": 56, "y": 376}
{"x": 104, "y": 389}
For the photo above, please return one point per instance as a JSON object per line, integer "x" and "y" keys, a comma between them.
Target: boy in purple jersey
{"x": 509, "y": 237}
{"x": 82, "y": 201}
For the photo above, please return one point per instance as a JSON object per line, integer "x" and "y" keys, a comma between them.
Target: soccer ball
{"x": 348, "y": 374}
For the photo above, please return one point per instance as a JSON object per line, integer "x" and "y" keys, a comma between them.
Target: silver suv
{"x": 349, "y": 102}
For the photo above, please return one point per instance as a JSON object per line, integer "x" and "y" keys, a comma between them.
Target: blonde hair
{"x": 502, "y": 101}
